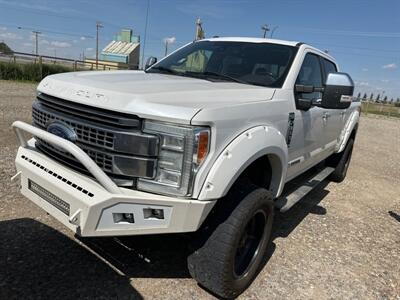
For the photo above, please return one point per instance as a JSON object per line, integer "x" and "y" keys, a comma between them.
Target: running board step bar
{"x": 286, "y": 201}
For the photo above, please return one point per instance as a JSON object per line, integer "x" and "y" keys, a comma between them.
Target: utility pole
{"x": 265, "y": 28}
{"x": 98, "y": 26}
{"x": 36, "y": 33}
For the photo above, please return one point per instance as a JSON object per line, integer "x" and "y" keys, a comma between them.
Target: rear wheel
{"x": 234, "y": 242}
{"x": 341, "y": 162}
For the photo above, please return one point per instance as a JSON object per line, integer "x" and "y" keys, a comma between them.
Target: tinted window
{"x": 329, "y": 66}
{"x": 253, "y": 63}
{"x": 310, "y": 74}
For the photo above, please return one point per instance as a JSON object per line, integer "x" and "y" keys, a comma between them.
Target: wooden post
{"x": 74, "y": 65}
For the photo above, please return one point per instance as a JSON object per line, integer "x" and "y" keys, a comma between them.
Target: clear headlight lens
{"x": 182, "y": 151}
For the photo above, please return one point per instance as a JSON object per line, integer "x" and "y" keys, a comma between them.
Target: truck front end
{"x": 105, "y": 173}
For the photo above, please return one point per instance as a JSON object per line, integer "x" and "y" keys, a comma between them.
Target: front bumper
{"x": 91, "y": 208}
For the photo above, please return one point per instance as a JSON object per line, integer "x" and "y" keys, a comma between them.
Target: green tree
{"x": 378, "y": 98}
{"x": 365, "y": 96}
{"x": 359, "y": 96}
{"x": 5, "y": 49}
{"x": 371, "y": 97}
{"x": 385, "y": 99}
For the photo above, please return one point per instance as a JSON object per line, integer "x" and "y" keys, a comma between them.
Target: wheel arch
{"x": 350, "y": 130}
{"x": 254, "y": 148}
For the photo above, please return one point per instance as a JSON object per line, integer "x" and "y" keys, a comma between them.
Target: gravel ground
{"x": 341, "y": 242}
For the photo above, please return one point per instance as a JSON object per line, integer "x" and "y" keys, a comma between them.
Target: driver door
{"x": 307, "y": 147}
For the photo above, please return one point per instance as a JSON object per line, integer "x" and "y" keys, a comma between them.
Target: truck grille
{"x": 89, "y": 135}
{"x": 113, "y": 140}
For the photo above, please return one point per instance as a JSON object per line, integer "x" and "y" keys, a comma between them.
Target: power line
{"x": 49, "y": 31}
{"x": 364, "y": 54}
{"x": 347, "y": 32}
{"x": 54, "y": 15}
{"x": 357, "y": 48}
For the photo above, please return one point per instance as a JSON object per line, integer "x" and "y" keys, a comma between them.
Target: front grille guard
{"x": 19, "y": 127}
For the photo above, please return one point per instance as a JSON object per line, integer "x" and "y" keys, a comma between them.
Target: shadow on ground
{"x": 39, "y": 262}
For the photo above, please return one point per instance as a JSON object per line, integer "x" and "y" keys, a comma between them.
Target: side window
{"x": 310, "y": 74}
{"x": 329, "y": 67}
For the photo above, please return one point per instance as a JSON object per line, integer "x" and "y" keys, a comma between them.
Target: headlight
{"x": 182, "y": 151}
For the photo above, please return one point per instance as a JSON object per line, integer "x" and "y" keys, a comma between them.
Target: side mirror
{"x": 150, "y": 61}
{"x": 338, "y": 91}
{"x": 306, "y": 104}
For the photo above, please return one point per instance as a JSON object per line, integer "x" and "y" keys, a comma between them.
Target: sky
{"x": 362, "y": 35}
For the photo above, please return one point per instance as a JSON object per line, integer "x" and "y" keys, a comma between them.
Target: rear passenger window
{"x": 329, "y": 67}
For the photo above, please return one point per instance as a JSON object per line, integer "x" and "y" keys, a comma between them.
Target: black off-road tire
{"x": 341, "y": 162}
{"x": 219, "y": 259}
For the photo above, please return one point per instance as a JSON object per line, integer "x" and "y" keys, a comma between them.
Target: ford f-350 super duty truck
{"x": 204, "y": 140}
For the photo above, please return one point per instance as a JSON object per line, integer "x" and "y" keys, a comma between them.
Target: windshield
{"x": 262, "y": 64}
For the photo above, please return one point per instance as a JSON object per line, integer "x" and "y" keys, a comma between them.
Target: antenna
{"x": 145, "y": 31}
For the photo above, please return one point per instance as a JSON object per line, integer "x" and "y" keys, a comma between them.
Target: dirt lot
{"x": 341, "y": 242}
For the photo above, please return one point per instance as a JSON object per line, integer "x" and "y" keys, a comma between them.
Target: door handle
{"x": 342, "y": 115}
{"x": 325, "y": 115}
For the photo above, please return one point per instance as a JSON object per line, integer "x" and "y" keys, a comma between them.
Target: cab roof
{"x": 252, "y": 40}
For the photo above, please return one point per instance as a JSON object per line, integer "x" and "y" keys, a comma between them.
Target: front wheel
{"x": 229, "y": 259}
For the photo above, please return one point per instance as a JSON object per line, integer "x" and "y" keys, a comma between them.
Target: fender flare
{"x": 352, "y": 123}
{"x": 240, "y": 153}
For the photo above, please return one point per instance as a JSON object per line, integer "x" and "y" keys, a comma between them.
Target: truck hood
{"x": 150, "y": 95}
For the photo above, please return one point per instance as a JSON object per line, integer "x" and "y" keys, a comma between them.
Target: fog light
{"x": 123, "y": 218}
{"x": 152, "y": 213}
{"x": 129, "y": 218}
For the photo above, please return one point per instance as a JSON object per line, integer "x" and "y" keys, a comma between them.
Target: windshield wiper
{"x": 219, "y": 75}
{"x": 164, "y": 70}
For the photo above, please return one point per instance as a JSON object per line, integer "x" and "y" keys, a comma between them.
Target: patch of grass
{"x": 29, "y": 72}
{"x": 381, "y": 109}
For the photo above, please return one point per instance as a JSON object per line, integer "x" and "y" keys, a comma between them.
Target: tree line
{"x": 378, "y": 99}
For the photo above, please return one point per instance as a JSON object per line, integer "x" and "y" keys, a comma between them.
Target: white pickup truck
{"x": 204, "y": 140}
